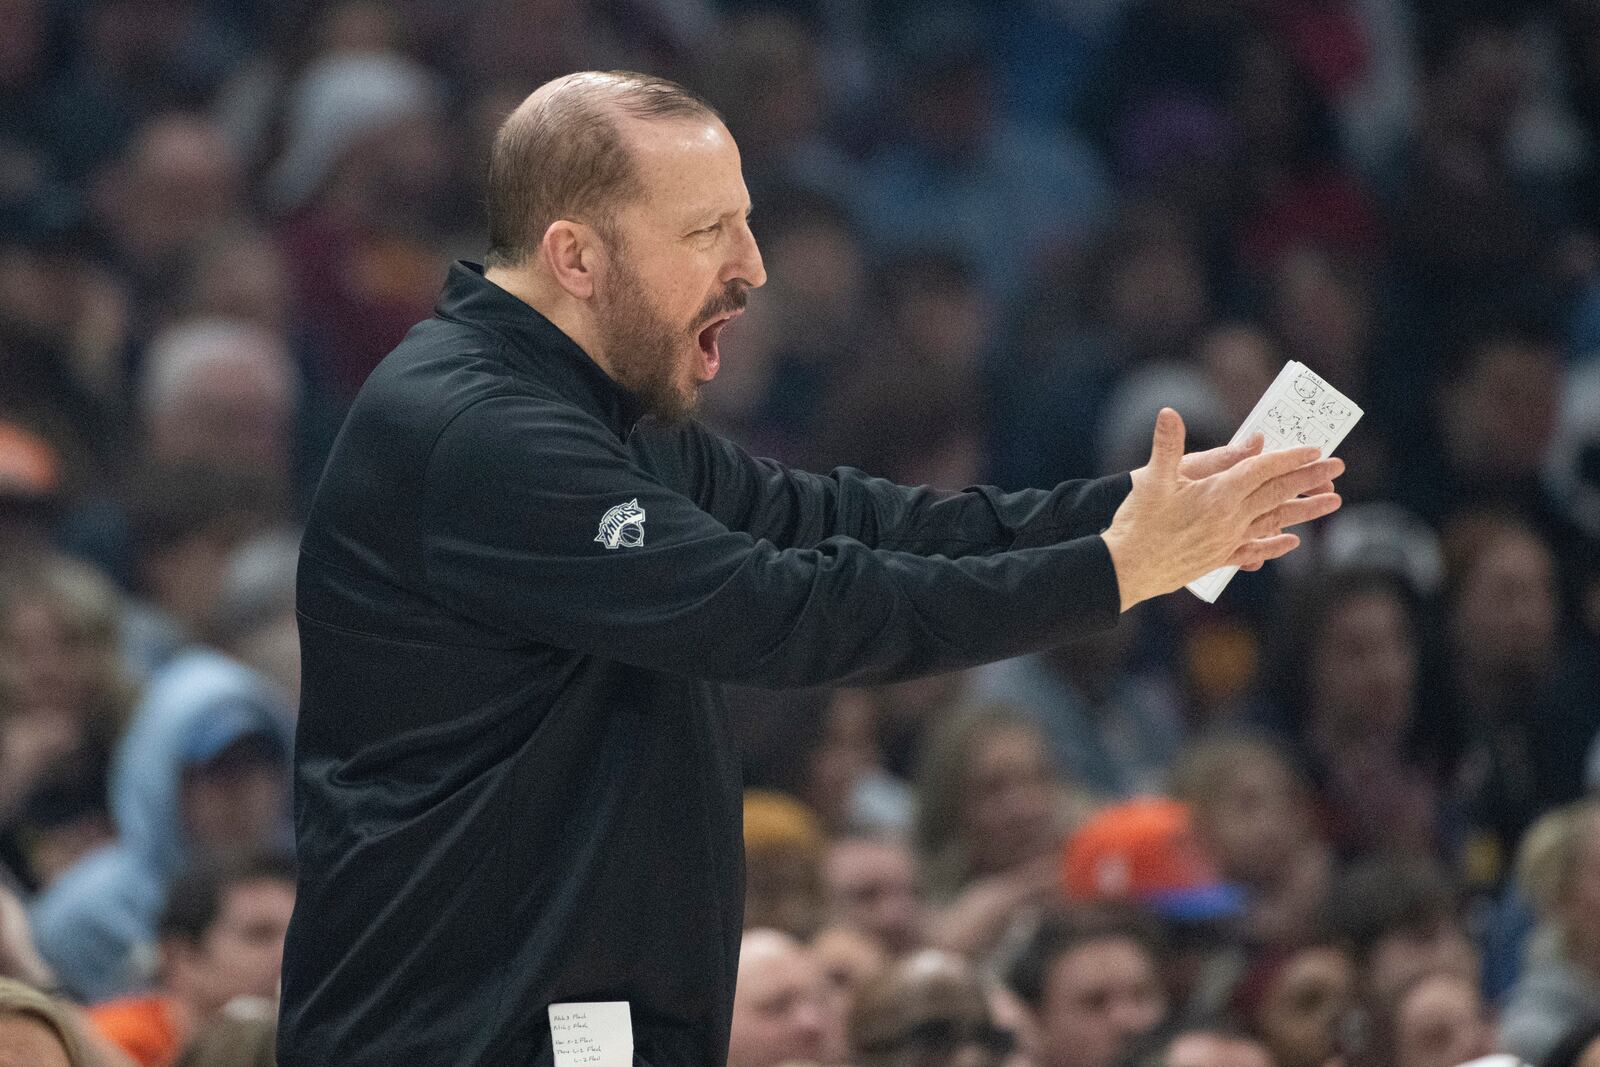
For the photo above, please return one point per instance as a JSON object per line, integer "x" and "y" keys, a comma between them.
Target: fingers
{"x": 1166, "y": 448}
{"x": 1294, "y": 512}
{"x": 1251, "y": 474}
{"x": 1216, "y": 460}
{"x": 1262, "y": 549}
{"x": 1325, "y": 487}
{"x": 1289, "y": 485}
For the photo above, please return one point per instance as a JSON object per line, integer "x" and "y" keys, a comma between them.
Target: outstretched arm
{"x": 516, "y": 505}
{"x": 797, "y": 509}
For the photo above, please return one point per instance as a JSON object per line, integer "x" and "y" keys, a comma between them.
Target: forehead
{"x": 775, "y": 966}
{"x": 1100, "y": 962}
{"x": 687, "y": 167}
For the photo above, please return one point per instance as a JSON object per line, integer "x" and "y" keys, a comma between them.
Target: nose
{"x": 1130, "y": 1017}
{"x": 744, "y": 264}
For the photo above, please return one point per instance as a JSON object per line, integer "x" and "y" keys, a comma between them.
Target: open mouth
{"x": 710, "y": 356}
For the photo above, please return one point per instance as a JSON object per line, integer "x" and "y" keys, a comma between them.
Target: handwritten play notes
{"x": 1298, "y": 408}
{"x": 597, "y": 1034}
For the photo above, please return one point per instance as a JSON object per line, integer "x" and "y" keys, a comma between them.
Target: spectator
{"x": 1472, "y": 228}
{"x": 991, "y": 815}
{"x": 1144, "y": 852}
{"x": 823, "y": 748}
{"x": 930, "y": 1009}
{"x": 224, "y": 392}
{"x": 1252, "y": 814}
{"x": 954, "y": 175}
{"x": 1559, "y": 870}
{"x": 1300, "y": 1003}
{"x": 1349, "y": 673}
{"x": 1143, "y": 296}
{"x": 784, "y": 1011}
{"x": 64, "y": 699}
{"x": 202, "y": 774}
{"x": 220, "y": 939}
{"x": 1400, "y": 919}
{"x": 765, "y": 75}
{"x": 361, "y": 177}
{"x": 184, "y": 522}
{"x": 873, "y": 887}
{"x": 1089, "y": 986}
{"x": 1524, "y": 692}
{"x": 1498, "y": 408}
{"x": 1440, "y": 1020}
{"x": 1297, "y": 190}
{"x": 177, "y": 183}
{"x": 783, "y": 843}
{"x": 1111, "y": 727}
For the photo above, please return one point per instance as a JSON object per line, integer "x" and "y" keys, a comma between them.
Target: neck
{"x": 566, "y": 314}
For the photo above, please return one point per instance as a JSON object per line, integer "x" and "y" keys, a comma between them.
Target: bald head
{"x": 562, "y": 155}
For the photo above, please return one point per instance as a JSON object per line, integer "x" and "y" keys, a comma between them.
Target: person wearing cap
{"x": 201, "y": 774}
{"x": 1145, "y": 853}
{"x": 519, "y": 599}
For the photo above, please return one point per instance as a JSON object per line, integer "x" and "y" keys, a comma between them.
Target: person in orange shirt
{"x": 221, "y": 941}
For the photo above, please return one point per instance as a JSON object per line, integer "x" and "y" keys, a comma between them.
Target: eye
{"x": 713, "y": 228}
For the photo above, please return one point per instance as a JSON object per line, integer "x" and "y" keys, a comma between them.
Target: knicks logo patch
{"x": 623, "y": 526}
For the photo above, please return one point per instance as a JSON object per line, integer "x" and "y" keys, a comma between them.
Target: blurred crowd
{"x": 1341, "y": 817}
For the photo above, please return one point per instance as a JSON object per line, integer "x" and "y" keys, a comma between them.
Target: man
{"x": 872, "y": 886}
{"x": 785, "y": 1012}
{"x": 516, "y": 785}
{"x": 201, "y": 775}
{"x": 1089, "y": 988}
{"x": 1400, "y": 919}
{"x": 221, "y": 938}
{"x": 930, "y": 1009}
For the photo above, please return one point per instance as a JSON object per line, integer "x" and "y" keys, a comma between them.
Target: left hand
{"x": 1216, "y": 460}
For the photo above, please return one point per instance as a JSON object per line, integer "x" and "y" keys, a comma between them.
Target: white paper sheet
{"x": 1298, "y": 408}
{"x": 594, "y": 1034}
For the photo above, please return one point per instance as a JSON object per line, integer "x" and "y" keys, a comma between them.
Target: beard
{"x": 646, "y": 350}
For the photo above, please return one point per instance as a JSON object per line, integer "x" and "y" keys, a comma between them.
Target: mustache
{"x": 733, "y": 298}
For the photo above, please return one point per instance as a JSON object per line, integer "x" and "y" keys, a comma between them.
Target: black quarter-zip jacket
{"x": 515, "y": 780}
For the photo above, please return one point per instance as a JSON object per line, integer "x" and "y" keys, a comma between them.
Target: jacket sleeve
{"x": 516, "y": 492}
{"x": 796, "y": 509}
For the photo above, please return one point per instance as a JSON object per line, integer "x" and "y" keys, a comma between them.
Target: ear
{"x": 572, "y": 252}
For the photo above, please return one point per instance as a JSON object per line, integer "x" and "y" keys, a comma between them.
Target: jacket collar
{"x": 536, "y": 346}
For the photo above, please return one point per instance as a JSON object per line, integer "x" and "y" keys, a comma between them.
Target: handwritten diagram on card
{"x": 595, "y": 1034}
{"x": 1298, "y": 409}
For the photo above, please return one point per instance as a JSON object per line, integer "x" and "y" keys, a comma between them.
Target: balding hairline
{"x": 562, "y": 155}
{"x": 180, "y": 353}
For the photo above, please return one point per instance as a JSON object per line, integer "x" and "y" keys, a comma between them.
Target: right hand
{"x": 1172, "y": 529}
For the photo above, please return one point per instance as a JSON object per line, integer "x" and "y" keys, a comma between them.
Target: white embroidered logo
{"x": 623, "y": 526}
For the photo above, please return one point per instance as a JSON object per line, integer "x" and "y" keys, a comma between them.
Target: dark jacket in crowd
{"x": 515, "y": 781}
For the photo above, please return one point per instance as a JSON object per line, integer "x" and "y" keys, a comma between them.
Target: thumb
{"x": 1166, "y": 449}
